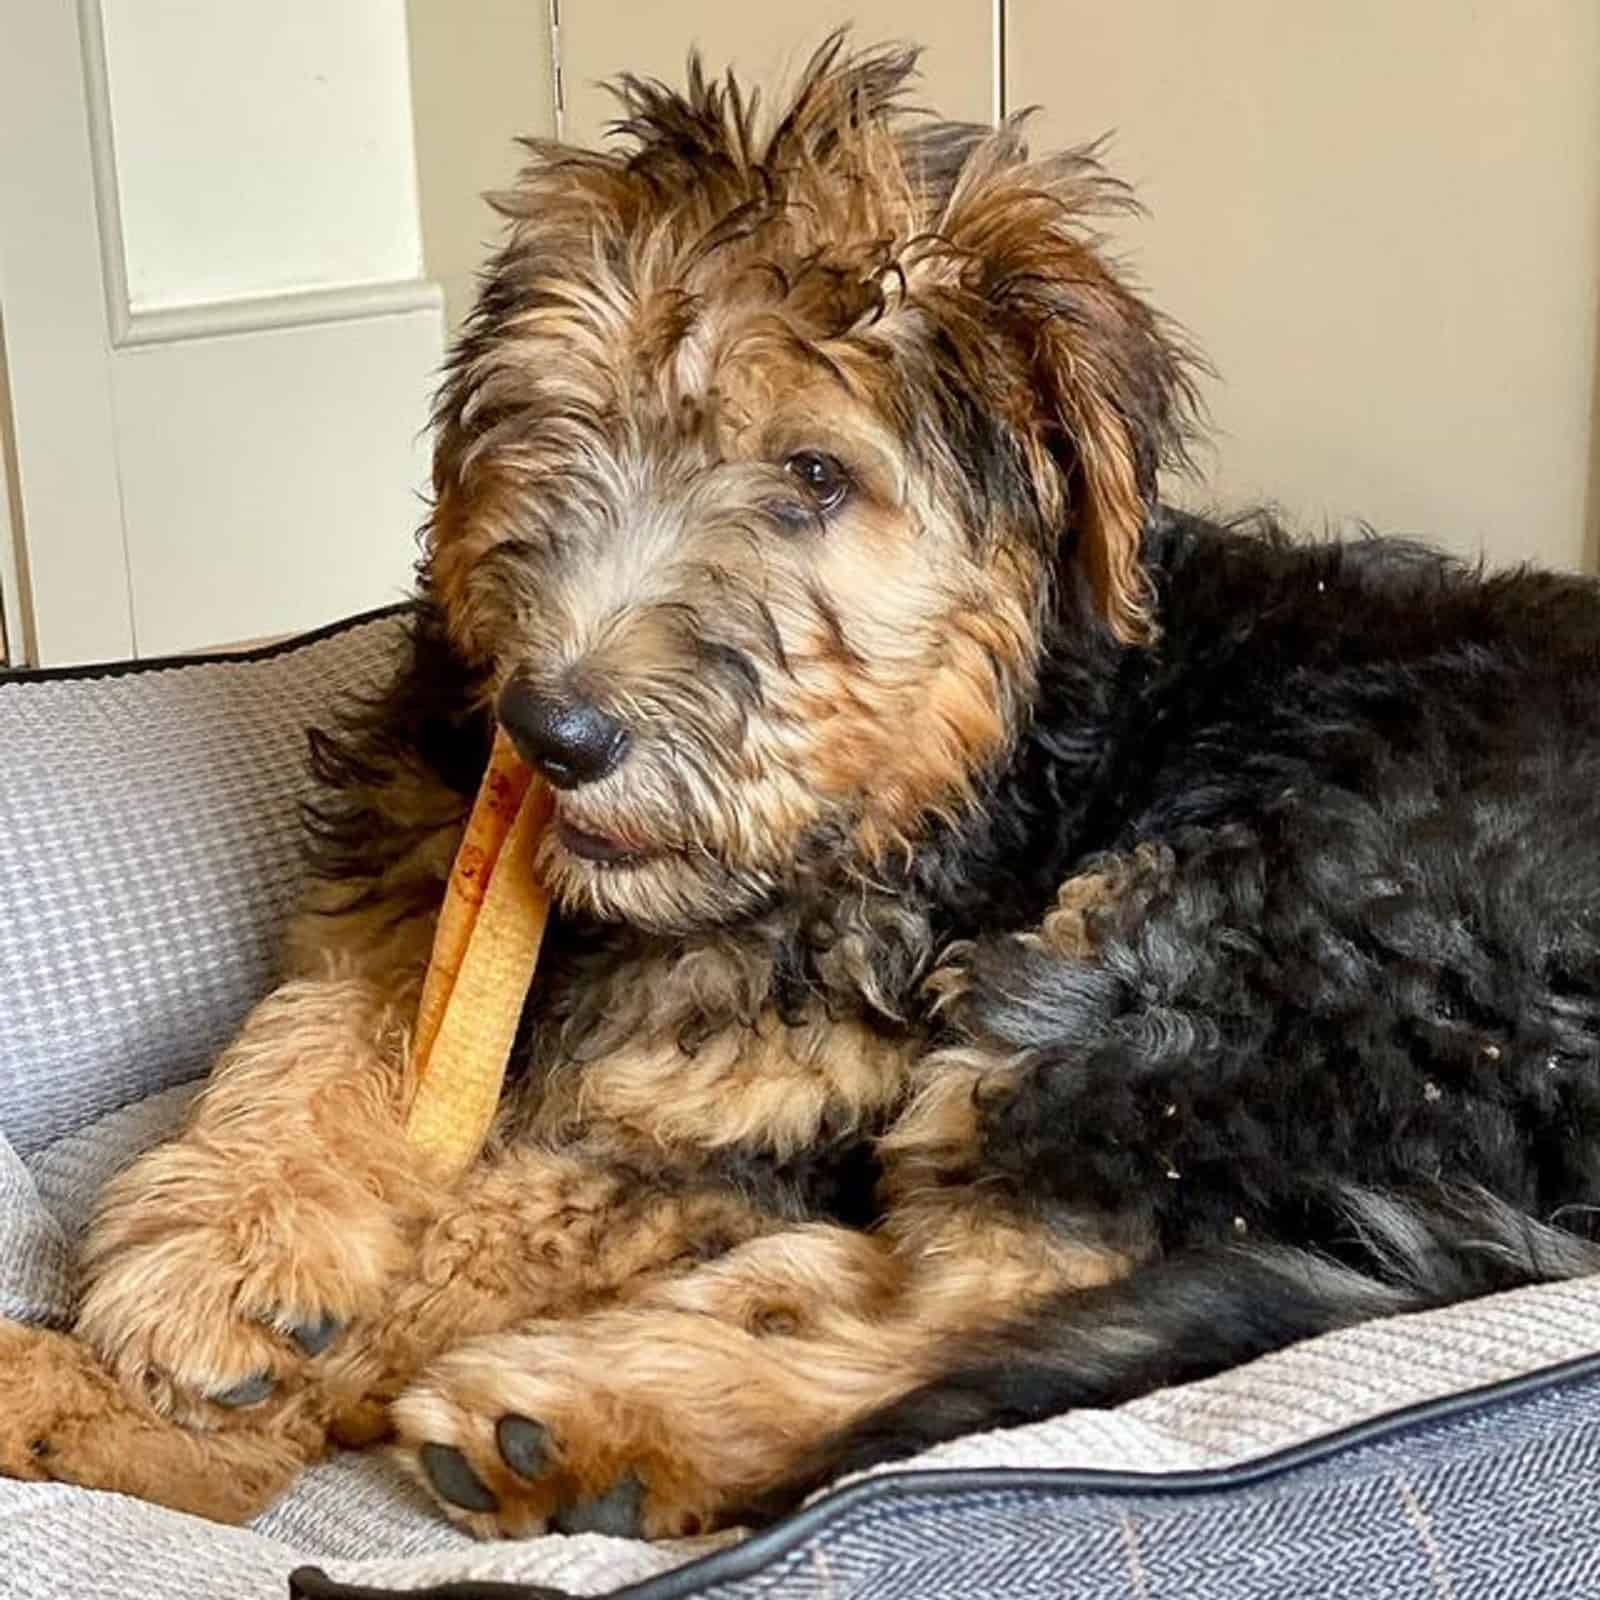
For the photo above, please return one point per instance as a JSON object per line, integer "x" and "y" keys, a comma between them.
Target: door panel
{"x": 262, "y": 498}
{"x": 221, "y": 344}
{"x": 68, "y": 538}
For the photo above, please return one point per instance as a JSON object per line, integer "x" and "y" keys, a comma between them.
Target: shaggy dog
{"x": 1019, "y": 945}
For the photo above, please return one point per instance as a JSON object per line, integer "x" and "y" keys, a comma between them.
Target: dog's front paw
{"x": 217, "y": 1278}
{"x": 599, "y": 1425}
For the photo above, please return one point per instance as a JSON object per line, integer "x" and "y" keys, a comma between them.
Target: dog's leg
{"x": 532, "y": 1233}
{"x": 66, "y": 1420}
{"x": 722, "y": 1392}
{"x": 690, "y": 1403}
{"x": 221, "y": 1266}
{"x": 221, "y": 1263}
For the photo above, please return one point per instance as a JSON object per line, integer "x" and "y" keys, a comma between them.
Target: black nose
{"x": 569, "y": 741}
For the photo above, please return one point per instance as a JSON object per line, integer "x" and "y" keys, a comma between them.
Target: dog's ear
{"x": 1109, "y": 382}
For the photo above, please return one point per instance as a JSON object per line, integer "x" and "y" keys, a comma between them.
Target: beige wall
{"x": 481, "y": 76}
{"x": 1381, "y": 218}
{"x": 767, "y": 44}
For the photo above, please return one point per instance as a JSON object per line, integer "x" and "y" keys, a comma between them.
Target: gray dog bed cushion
{"x": 148, "y": 858}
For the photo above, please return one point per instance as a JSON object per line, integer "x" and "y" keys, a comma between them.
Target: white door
{"x": 218, "y": 340}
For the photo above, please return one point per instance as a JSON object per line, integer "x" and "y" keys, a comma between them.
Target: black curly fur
{"x": 1377, "y": 955}
{"x": 426, "y": 724}
{"x": 1345, "y": 1060}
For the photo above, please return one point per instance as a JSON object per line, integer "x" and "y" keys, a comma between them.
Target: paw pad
{"x": 453, "y": 1479}
{"x": 249, "y": 1391}
{"x": 524, "y": 1445}
{"x": 618, "y": 1512}
{"x": 315, "y": 1337}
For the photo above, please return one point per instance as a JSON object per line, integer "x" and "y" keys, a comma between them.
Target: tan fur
{"x": 772, "y": 1083}
{"x": 290, "y": 1188}
{"x": 533, "y": 1233}
{"x": 1113, "y": 894}
{"x": 288, "y": 1192}
{"x": 66, "y": 1420}
{"x": 935, "y": 1139}
{"x": 709, "y": 1388}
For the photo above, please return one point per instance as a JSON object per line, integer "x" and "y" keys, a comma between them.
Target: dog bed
{"x": 148, "y": 857}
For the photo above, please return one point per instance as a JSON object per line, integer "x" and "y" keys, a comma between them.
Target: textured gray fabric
{"x": 126, "y": 958}
{"x": 69, "y": 1173}
{"x": 35, "y": 1257}
{"x": 148, "y": 856}
{"x": 1493, "y": 1506}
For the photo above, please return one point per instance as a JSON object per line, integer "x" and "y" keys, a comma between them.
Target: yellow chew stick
{"x": 484, "y": 949}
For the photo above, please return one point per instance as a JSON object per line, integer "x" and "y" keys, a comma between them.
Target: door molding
{"x": 208, "y": 319}
{"x": 16, "y": 632}
{"x": 69, "y": 539}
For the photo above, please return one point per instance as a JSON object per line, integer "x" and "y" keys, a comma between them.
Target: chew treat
{"x": 484, "y": 949}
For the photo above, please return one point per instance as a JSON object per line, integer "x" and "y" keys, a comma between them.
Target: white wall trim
{"x": 18, "y": 631}
{"x": 103, "y": 163}
{"x": 349, "y": 303}
{"x": 997, "y": 86}
{"x": 128, "y": 328}
{"x": 558, "y": 84}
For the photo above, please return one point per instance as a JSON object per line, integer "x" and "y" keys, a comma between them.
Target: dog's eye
{"x": 823, "y": 477}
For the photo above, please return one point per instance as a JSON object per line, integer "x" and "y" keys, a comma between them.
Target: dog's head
{"x": 768, "y": 453}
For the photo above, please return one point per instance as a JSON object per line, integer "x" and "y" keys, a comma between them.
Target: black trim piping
{"x": 262, "y": 652}
{"x": 762, "y": 1549}
{"x": 312, "y": 1583}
